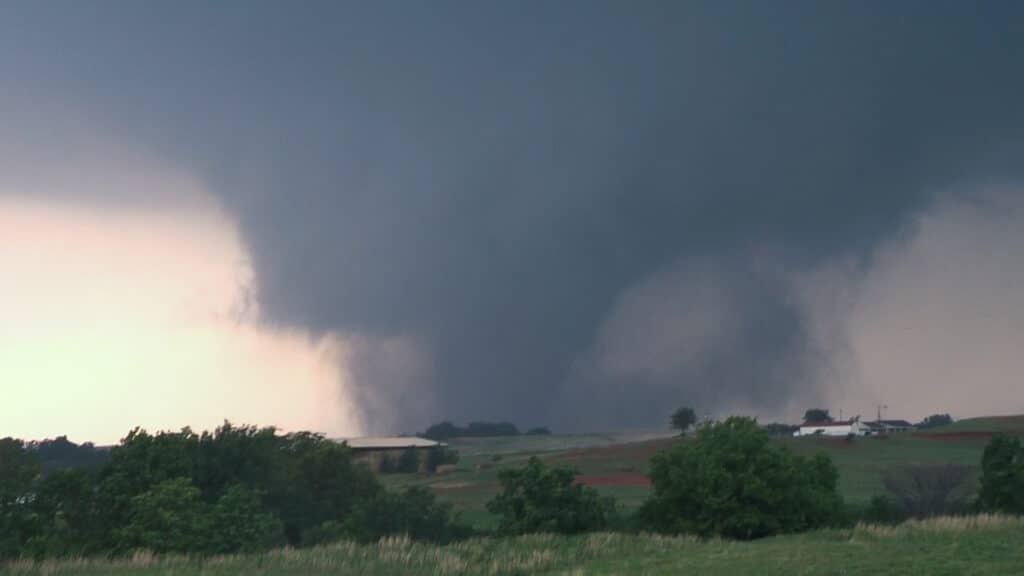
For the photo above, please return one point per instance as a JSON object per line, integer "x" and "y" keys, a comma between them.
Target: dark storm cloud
{"x": 495, "y": 179}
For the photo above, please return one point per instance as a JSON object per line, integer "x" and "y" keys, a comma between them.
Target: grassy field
{"x": 982, "y": 426}
{"x": 611, "y": 457}
{"x": 983, "y": 545}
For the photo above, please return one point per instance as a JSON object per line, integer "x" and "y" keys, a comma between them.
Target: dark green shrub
{"x": 931, "y": 490}
{"x": 239, "y": 523}
{"x": 883, "y": 510}
{"x": 440, "y": 456}
{"x": 732, "y": 481}
{"x": 408, "y": 462}
{"x": 170, "y": 517}
{"x": 414, "y": 512}
{"x": 536, "y": 498}
{"x": 64, "y": 507}
{"x": 1002, "y": 476}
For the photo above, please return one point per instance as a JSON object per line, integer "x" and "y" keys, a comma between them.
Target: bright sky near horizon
{"x": 146, "y": 316}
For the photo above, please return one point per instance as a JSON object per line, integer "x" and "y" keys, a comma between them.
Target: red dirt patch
{"x": 626, "y": 480}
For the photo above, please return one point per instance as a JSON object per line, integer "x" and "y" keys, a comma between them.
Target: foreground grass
{"x": 971, "y": 545}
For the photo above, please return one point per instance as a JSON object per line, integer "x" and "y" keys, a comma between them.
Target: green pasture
{"x": 862, "y": 462}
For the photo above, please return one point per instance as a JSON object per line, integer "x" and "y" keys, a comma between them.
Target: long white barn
{"x": 846, "y": 428}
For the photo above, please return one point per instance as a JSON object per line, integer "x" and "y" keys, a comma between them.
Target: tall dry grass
{"x": 941, "y": 524}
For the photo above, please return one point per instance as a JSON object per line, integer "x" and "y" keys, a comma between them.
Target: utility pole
{"x": 880, "y": 407}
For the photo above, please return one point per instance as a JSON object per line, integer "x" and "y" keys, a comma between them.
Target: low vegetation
{"x": 1002, "y": 480}
{"x": 536, "y": 498}
{"x": 979, "y": 545}
{"x": 732, "y": 481}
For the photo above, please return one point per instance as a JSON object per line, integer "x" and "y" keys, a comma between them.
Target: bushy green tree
{"x": 233, "y": 489}
{"x": 732, "y": 481}
{"x": 139, "y": 463}
{"x": 414, "y": 512}
{"x": 536, "y": 498}
{"x": 321, "y": 483}
{"x": 18, "y": 471}
{"x": 64, "y": 506}
{"x": 683, "y": 419}
{"x": 169, "y": 517}
{"x": 239, "y": 523}
{"x": 1002, "y": 476}
{"x": 935, "y": 420}
{"x": 817, "y": 415}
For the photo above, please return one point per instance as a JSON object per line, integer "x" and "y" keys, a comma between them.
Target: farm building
{"x": 376, "y": 450}
{"x": 888, "y": 426}
{"x": 894, "y": 425}
{"x": 844, "y": 428}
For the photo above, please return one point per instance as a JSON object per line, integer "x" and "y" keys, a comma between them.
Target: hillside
{"x": 617, "y": 464}
{"x": 982, "y": 427}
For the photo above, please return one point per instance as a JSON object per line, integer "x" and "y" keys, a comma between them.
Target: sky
{"x": 362, "y": 218}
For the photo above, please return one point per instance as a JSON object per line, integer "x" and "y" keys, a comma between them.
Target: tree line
{"x": 232, "y": 490}
{"x": 242, "y": 489}
{"x": 446, "y": 430}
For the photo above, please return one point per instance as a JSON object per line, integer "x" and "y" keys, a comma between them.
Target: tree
{"x": 304, "y": 479}
{"x": 732, "y": 481}
{"x": 18, "y": 471}
{"x": 447, "y": 430}
{"x": 239, "y": 523}
{"x": 817, "y": 415}
{"x": 536, "y": 498}
{"x": 683, "y": 419}
{"x": 65, "y": 508}
{"x": 170, "y": 517}
{"x": 935, "y": 420}
{"x": 1002, "y": 476}
{"x": 413, "y": 512}
{"x": 443, "y": 431}
{"x": 61, "y": 454}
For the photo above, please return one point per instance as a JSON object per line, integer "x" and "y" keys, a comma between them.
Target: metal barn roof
{"x": 385, "y": 442}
